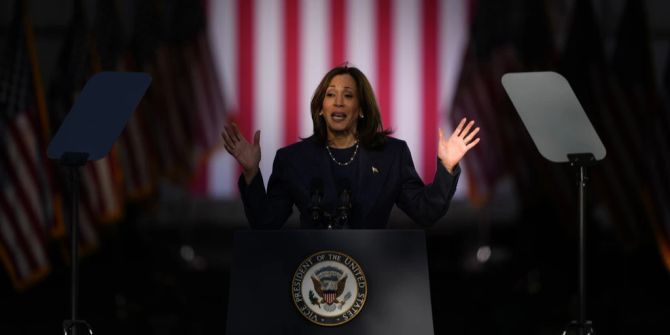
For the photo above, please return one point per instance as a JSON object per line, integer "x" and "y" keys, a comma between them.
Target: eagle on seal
{"x": 328, "y": 290}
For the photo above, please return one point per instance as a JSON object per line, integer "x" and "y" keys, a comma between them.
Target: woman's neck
{"x": 341, "y": 141}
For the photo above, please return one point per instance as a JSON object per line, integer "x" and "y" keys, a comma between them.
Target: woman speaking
{"x": 349, "y": 173}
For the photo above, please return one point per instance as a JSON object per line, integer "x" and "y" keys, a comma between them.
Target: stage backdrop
{"x": 272, "y": 53}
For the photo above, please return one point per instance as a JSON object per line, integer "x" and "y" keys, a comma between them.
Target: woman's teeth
{"x": 338, "y": 116}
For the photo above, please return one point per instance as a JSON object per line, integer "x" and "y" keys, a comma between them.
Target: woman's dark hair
{"x": 371, "y": 133}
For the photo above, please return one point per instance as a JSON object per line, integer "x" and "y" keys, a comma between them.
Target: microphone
{"x": 316, "y": 195}
{"x": 344, "y": 208}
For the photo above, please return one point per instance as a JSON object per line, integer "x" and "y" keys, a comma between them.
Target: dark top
{"x": 380, "y": 178}
{"x": 343, "y": 174}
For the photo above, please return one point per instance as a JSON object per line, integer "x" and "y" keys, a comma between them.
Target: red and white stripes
{"x": 24, "y": 212}
{"x": 272, "y": 54}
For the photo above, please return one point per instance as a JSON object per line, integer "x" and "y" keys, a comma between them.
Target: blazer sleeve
{"x": 271, "y": 209}
{"x": 425, "y": 204}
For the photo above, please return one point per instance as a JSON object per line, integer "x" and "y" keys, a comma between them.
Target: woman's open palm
{"x": 451, "y": 150}
{"x": 246, "y": 153}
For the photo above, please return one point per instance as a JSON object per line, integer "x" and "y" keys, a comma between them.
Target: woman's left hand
{"x": 450, "y": 151}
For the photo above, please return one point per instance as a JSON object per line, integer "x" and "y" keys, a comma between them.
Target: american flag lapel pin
{"x": 374, "y": 170}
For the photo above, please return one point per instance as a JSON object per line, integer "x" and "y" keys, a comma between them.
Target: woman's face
{"x": 341, "y": 108}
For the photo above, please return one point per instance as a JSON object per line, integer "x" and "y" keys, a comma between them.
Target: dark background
{"x": 164, "y": 268}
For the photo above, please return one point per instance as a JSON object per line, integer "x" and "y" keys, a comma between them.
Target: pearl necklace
{"x": 345, "y": 163}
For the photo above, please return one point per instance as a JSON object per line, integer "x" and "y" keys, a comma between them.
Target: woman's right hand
{"x": 246, "y": 153}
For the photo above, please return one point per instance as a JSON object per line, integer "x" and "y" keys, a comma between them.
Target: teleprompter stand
{"x": 88, "y": 133}
{"x": 562, "y": 133}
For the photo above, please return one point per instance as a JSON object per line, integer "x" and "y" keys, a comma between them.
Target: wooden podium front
{"x": 330, "y": 282}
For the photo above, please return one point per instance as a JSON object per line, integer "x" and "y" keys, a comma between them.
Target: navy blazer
{"x": 385, "y": 176}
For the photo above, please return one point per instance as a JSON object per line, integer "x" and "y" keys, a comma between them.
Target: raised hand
{"x": 246, "y": 153}
{"x": 451, "y": 150}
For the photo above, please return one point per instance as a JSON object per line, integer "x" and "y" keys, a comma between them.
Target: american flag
{"x": 272, "y": 55}
{"x": 621, "y": 100}
{"x": 584, "y": 65}
{"x": 500, "y": 43}
{"x": 646, "y": 123}
{"x": 171, "y": 102}
{"x": 26, "y": 211}
{"x": 134, "y": 147}
{"x": 207, "y": 95}
{"x": 209, "y": 105}
{"x": 102, "y": 180}
{"x": 135, "y": 150}
{"x": 665, "y": 250}
{"x": 74, "y": 67}
{"x": 477, "y": 98}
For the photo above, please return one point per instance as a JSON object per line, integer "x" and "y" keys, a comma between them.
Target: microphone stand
{"x": 344, "y": 211}
{"x": 322, "y": 218}
{"x": 316, "y": 198}
{"x": 316, "y": 210}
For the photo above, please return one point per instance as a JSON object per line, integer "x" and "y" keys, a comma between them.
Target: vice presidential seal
{"x": 329, "y": 288}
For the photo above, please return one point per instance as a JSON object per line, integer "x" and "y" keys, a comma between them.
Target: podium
{"x": 330, "y": 282}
